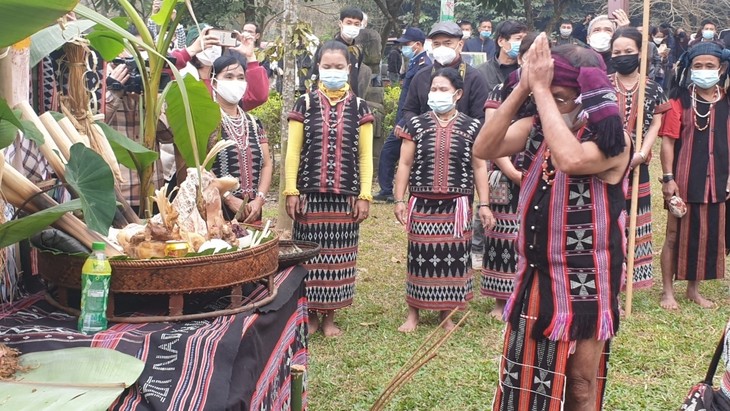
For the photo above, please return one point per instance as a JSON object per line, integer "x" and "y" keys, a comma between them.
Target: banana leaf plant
{"x": 192, "y": 114}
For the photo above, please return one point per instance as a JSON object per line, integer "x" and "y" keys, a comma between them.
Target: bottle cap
{"x": 98, "y": 246}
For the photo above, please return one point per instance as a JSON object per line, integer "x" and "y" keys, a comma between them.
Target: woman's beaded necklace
{"x": 236, "y": 127}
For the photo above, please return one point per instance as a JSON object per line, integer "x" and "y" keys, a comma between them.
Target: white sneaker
{"x": 476, "y": 261}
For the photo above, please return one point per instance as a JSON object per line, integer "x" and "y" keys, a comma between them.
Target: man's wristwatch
{"x": 667, "y": 178}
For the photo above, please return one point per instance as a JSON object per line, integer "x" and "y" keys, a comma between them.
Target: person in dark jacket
{"x": 509, "y": 38}
{"x": 350, "y": 24}
{"x": 395, "y": 62}
{"x": 412, "y": 47}
{"x": 484, "y": 43}
{"x": 447, "y": 43}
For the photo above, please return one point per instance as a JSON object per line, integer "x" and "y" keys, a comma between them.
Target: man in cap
{"x": 446, "y": 40}
{"x": 411, "y": 45}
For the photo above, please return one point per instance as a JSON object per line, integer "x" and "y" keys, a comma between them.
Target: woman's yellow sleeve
{"x": 293, "y": 154}
{"x": 366, "y": 162}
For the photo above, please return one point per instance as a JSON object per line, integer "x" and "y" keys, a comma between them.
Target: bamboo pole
{"x": 63, "y": 142}
{"x": 49, "y": 149}
{"x": 73, "y": 134}
{"x": 635, "y": 173}
{"x": 18, "y": 190}
{"x": 297, "y": 380}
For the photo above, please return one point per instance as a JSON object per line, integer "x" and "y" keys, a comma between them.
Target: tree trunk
{"x": 416, "y": 13}
{"x": 289, "y": 78}
{"x": 529, "y": 18}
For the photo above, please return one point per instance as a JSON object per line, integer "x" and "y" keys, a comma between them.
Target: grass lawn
{"x": 655, "y": 358}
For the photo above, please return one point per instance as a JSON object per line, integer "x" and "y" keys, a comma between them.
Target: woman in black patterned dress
{"x": 249, "y": 160}
{"x": 437, "y": 167}
{"x": 625, "y": 49}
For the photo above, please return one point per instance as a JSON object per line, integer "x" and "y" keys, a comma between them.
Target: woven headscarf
{"x": 702, "y": 48}
{"x": 597, "y": 96}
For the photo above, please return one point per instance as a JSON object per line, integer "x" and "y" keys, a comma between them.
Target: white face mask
{"x": 658, "y": 40}
{"x": 571, "y": 119}
{"x": 231, "y": 91}
{"x": 600, "y": 41}
{"x": 466, "y": 34}
{"x": 350, "y": 32}
{"x": 566, "y": 32}
{"x": 209, "y": 55}
{"x": 444, "y": 55}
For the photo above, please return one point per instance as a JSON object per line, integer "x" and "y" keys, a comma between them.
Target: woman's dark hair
{"x": 630, "y": 33}
{"x": 229, "y": 58}
{"x": 450, "y": 74}
{"x": 352, "y": 13}
{"x": 579, "y": 56}
{"x": 527, "y": 42}
{"x": 508, "y": 28}
{"x": 333, "y": 46}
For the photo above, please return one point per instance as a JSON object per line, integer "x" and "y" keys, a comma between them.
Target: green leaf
{"x": 165, "y": 11}
{"x": 10, "y": 123}
{"x": 92, "y": 179}
{"x": 108, "y": 43}
{"x": 22, "y": 228}
{"x": 49, "y": 39}
{"x": 21, "y": 18}
{"x": 77, "y": 379}
{"x": 204, "y": 113}
{"x": 126, "y": 150}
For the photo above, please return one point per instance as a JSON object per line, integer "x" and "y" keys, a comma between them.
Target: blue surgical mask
{"x": 485, "y": 34}
{"x": 708, "y": 34}
{"x": 514, "y": 50}
{"x": 441, "y": 101}
{"x": 334, "y": 79}
{"x": 705, "y": 78}
{"x": 407, "y": 52}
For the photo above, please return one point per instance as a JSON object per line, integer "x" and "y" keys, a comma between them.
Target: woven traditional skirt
{"x": 700, "y": 249}
{"x": 328, "y": 222}
{"x": 439, "y": 264}
{"x": 500, "y": 253}
{"x": 643, "y": 250}
{"x": 533, "y": 372}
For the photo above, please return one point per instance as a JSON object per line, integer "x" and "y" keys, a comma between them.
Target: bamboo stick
{"x": 101, "y": 145}
{"x": 19, "y": 189}
{"x": 297, "y": 379}
{"x": 73, "y": 133}
{"x": 49, "y": 149}
{"x": 635, "y": 173}
{"x": 63, "y": 142}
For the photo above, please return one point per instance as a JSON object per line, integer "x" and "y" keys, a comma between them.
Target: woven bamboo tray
{"x": 308, "y": 250}
{"x": 174, "y": 277}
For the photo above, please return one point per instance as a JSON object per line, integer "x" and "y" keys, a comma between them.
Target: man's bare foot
{"x": 448, "y": 325}
{"x": 329, "y": 329}
{"x": 700, "y": 300}
{"x": 668, "y": 302}
{"x": 313, "y": 322}
{"x": 411, "y": 322}
{"x": 498, "y": 309}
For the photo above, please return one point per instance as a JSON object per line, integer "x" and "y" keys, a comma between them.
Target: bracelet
{"x": 400, "y": 201}
{"x": 480, "y": 205}
{"x": 261, "y": 195}
{"x": 641, "y": 153}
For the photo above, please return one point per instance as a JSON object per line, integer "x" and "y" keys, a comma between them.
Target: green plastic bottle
{"x": 95, "y": 280}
